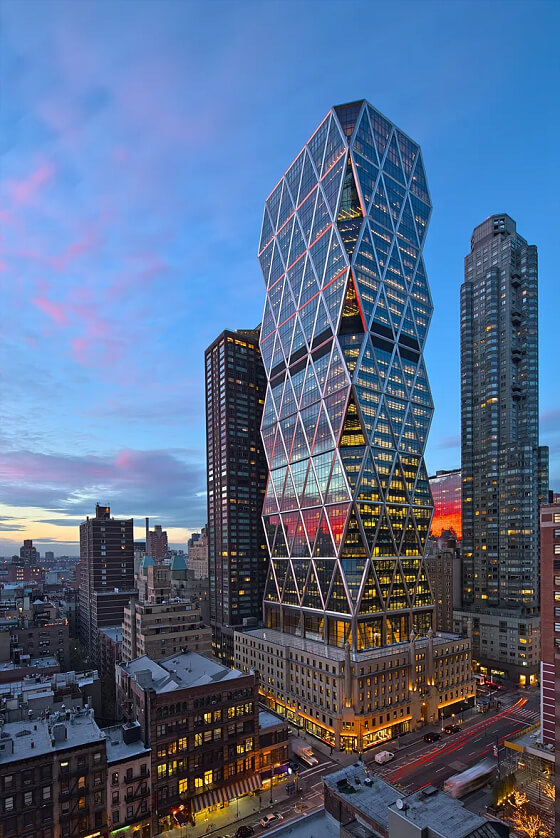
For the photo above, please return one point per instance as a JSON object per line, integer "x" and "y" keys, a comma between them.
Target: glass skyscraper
{"x": 348, "y": 405}
{"x": 504, "y": 471}
{"x": 348, "y": 650}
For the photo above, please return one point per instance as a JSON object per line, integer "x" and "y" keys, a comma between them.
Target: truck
{"x": 473, "y": 778}
{"x": 383, "y": 756}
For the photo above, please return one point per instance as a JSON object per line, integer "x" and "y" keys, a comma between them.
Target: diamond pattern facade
{"x": 348, "y": 405}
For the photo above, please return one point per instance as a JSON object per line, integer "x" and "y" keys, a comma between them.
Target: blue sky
{"x": 138, "y": 141}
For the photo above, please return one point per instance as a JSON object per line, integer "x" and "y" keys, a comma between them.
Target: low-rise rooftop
{"x": 23, "y": 740}
{"x": 442, "y": 814}
{"x": 113, "y": 632}
{"x": 178, "y": 672}
{"x": 367, "y": 793}
{"x": 124, "y": 742}
{"x": 268, "y": 719}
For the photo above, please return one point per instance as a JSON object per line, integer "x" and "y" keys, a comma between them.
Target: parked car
{"x": 451, "y": 729}
{"x": 432, "y": 737}
{"x": 383, "y": 757}
{"x": 244, "y": 832}
{"x": 268, "y": 819}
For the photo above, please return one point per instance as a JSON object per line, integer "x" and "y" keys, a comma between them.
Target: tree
{"x": 518, "y": 798}
{"x": 530, "y": 825}
{"x": 549, "y": 791}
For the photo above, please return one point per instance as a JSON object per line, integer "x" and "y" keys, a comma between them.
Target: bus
{"x": 473, "y": 778}
{"x": 305, "y": 753}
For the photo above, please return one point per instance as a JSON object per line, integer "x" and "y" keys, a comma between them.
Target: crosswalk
{"x": 525, "y": 715}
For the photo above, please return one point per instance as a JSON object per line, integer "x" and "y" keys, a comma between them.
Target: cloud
{"x": 25, "y": 190}
{"x": 164, "y": 484}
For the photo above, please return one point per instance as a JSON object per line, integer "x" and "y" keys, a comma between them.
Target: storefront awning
{"x": 226, "y": 793}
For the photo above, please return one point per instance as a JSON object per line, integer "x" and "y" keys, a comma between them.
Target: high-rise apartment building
{"x": 28, "y": 553}
{"x": 106, "y": 574}
{"x": 348, "y": 406}
{"x": 237, "y": 556}
{"x": 443, "y": 563}
{"x": 156, "y": 543}
{"x": 504, "y": 471}
{"x": 446, "y": 492}
{"x": 198, "y": 556}
{"x": 550, "y": 618}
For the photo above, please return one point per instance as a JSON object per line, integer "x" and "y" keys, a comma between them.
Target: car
{"x": 268, "y": 819}
{"x": 383, "y": 756}
{"x": 451, "y": 729}
{"x": 244, "y": 832}
{"x": 432, "y": 737}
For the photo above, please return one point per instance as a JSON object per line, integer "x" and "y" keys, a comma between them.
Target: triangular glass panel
{"x": 367, "y": 283}
{"x": 293, "y": 177}
{"x": 270, "y": 526}
{"x": 290, "y": 522}
{"x": 352, "y": 459}
{"x": 265, "y": 259}
{"x": 410, "y": 572}
{"x": 349, "y": 206}
{"x": 297, "y": 249}
{"x": 350, "y": 346}
{"x": 422, "y": 517}
{"x": 333, "y": 296}
{"x": 366, "y": 373}
{"x": 395, "y": 383}
{"x": 418, "y": 185}
{"x": 277, "y": 479}
{"x": 310, "y": 391}
{"x": 299, "y": 448}
{"x": 410, "y": 466}
{"x": 300, "y": 568}
{"x": 309, "y": 416}
{"x": 280, "y": 547}
{"x": 383, "y": 360}
{"x": 421, "y": 216}
{"x": 379, "y": 210}
{"x": 288, "y": 306}
{"x": 305, "y": 214}
{"x": 397, "y": 412}
{"x": 308, "y": 182}
{"x": 353, "y": 545}
{"x": 317, "y": 143}
{"x": 323, "y": 438}
{"x": 275, "y": 298}
{"x": 423, "y": 591}
{"x": 422, "y": 419}
{"x": 381, "y": 130}
{"x": 337, "y": 491}
{"x": 410, "y": 544}
{"x": 322, "y": 465}
{"x": 268, "y": 437}
{"x": 397, "y": 519}
{"x": 337, "y": 519}
{"x": 273, "y": 203}
{"x": 409, "y": 152}
{"x": 289, "y": 497}
{"x": 336, "y": 404}
{"x": 324, "y": 570}
{"x": 370, "y": 602}
{"x": 285, "y": 334}
{"x": 398, "y": 599}
{"x": 407, "y": 228}
{"x": 409, "y": 441}
{"x": 319, "y": 253}
{"x": 368, "y": 401}
{"x": 383, "y": 461}
{"x": 299, "y": 470}
{"x": 353, "y": 570}
{"x": 363, "y": 141}
{"x": 286, "y": 208}
{"x": 338, "y": 601}
{"x": 332, "y": 184}
{"x": 277, "y": 266}
{"x": 369, "y": 514}
{"x": 381, "y": 315}
{"x": 324, "y": 545}
{"x": 310, "y": 519}
{"x": 312, "y": 595}
{"x": 270, "y": 589}
{"x": 334, "y": 148}
{"x": 290, "y": 594}
{"x": 382, "y": 436}
{"x": 309, "y": 287}
{"x": 407, "y": 327}
{"x": 321, "y": 221}
{"x": 352, "y": 433}
{"x": 367, "y": 176}
{"x": 338, "y": 375}
{"x": 266, "y": 232}
{"x": 280, "y": 569}
{"x": 395, "y": 198}
{"x": 385, "y": 571}
{"x": 289, "y": 402}
{"x": 347, "y": 116}
{"x": 307, "y": 317}
{"x": 321, "y": 365}
{"x": 336, "y": 261}
{"x": 393, "y": 164}
{"x": 322, "y": 329}
{"x": 369, "y": 487}
{"x": 351, "y": 321}
{"x": 396, "y": 493}
{"x": 381, "y": 239}
{"x": 350, "y": 233}
{"x": 311, "y": 494}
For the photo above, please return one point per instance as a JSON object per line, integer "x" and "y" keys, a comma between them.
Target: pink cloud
{"x": 24, "y": 191}
{"x": 56, "y": 311}
{"x": 85, "y": 245}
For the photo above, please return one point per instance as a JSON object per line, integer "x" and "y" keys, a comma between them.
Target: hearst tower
{"x": 348, "y": 648}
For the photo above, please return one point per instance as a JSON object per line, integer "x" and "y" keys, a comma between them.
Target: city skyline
{"x": 105, "y": 167}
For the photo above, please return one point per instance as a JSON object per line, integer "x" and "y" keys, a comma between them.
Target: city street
{"x": 418, "y": 763}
